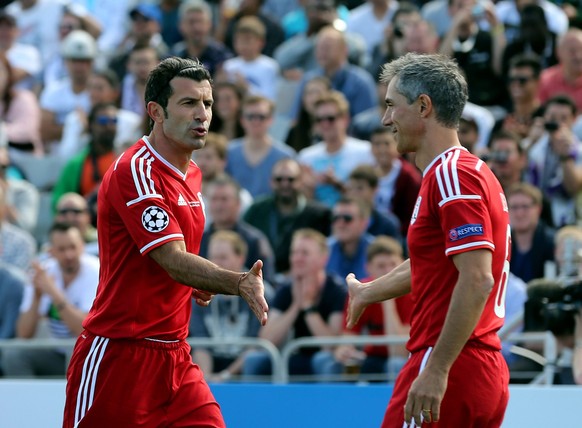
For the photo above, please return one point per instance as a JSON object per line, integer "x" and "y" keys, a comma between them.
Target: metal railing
{"x": 280, "y": 358}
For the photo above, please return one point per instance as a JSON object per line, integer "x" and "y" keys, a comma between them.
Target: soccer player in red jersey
{"x": 131, "y": 366}
{"x": 459, "y": 247}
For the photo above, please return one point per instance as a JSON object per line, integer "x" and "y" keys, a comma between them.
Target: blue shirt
{"x": 255, "y": 178}
{"x": 341, "y": 264}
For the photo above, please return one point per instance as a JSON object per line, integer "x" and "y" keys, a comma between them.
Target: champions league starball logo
{"x": 155, "y": 219}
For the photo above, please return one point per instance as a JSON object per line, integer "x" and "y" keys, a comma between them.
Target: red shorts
{"x": 136, "y": 383}
{"x": 476, "y": 396}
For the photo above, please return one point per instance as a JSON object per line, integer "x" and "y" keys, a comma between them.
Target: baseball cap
{"x": 6, "y": 17}
{"x": 79, "y": 45}
{"x": 148, "y": 11}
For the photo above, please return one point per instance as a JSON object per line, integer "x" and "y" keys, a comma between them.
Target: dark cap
{"x": 148, "y": 11}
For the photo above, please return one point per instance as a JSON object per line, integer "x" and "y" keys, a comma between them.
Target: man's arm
{"x": 197, "y": 272}
{"x": 279, "y": 325}
{"x": 28, "y": 320}
{"x": 467, "y": 302}
{"x": 395, "y": 283}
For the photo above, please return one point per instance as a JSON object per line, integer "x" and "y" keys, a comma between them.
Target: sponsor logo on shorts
{"x": 465, "y": 231}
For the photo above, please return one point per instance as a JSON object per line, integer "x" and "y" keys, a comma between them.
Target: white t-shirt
{"x": 353, "y": 153}
{"x": 363, "y": 22}
{"x": 261, "y": 74}
{"x": 80, "y": 293}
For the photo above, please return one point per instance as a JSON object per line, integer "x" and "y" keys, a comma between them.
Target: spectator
{"x": 565, "y": 78}
{"x": 195, "y": 25}
{"x": 522, "y": 81}
{"x": 534, "y": 38}
{"x": 366, "y": 122}
{"x": 170, "y": 16}
{"x": 227, "y": 109}
{"x": 250, "y": 159}
{"x": 144, "y": 30}
{"x": 507, "y": 159}
{"x": 274, "y": 32}
{"x": 399, "y": 179}
{"x": 555, "y": 158}
{"x": 355, "y": 83}
{"x": 392, "y": 44}
{"x": 362, "y": 185}
{"x": 83, "y": 173}
{"x": 485, "y": 122}
{"x": 371, "y": 19}
{"x": 19, "y": 113}
{"x": 55, "y": 68}
{"x": 211, "y": 159}
{"x": 258, "y": 72}
{"x": 79, "y": 50}
{"x": 225, "y": 318}
{"x": 74, "y": 209}
{"x": 296, "y": 55}
{"x": 310, "y": 305}
{"x": 468, "y": 133}
{"x": 328, "y": 164}
{"x": 103, "y": 87}
{"x": 62, "y": 290}
{"x": 12, "y": 283}
{"x": 25, "y": 59}
{"x": 17, "y": 247}
{"x": 302, "y": 134}
{"x": 391, "y": 317}
{"x": 349, "y": 240}
{"x": 532, "y": 241}
{"x": 279, "y": 214}
{"x": 225, "y": 208}
{"x": 477, "y": 51}
{"x": 509, "y": 13}
{"x": 38, "y": 22}
{"x": 301, "y": 20}
{"x": 140, "y": 61}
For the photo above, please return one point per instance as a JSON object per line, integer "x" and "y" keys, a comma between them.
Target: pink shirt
{"x": 552, "y": 83}
{"x": 22, "y": 120}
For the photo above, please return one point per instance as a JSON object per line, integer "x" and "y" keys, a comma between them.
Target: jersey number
{"x": 499, "y": 306}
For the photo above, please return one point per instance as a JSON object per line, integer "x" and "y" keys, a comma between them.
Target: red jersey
{"x": 144, "y": 202}
{"x": 460, "y": 207}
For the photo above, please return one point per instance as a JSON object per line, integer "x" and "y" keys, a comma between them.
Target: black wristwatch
{"x": 309, "y": 310}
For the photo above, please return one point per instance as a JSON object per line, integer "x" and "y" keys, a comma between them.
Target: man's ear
{"x": 155, "y": 111}
{"x": 425, "y": 105}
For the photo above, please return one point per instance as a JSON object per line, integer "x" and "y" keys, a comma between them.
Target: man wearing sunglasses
{"x": 83, "y": 173}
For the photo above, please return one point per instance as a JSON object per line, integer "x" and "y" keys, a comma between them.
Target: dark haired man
{"x": 131, "y": 366}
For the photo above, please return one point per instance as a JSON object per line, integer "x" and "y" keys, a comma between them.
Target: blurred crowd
{"x": 298, "y": 169}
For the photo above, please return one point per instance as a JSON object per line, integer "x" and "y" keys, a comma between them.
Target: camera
{"x": 552, "y": 305}
{"x": 551, "y": 126}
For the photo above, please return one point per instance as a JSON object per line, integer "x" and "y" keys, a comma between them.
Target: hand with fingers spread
{"x": 425, "y": 397}
{"x": 252, "y": 289}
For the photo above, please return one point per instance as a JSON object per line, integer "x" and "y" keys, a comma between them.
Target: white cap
{"x": 79, "y": 45}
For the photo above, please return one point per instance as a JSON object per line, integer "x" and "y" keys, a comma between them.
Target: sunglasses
{"x": 348, "y": 218}
{"x": 64, "y": 211}
{"x": 522, "y": 80}
{"x": 281, "y": 179}
{"x": 256, "y": 116}
{"x": 105, "y": 120}
{"x": 330, "y": 119}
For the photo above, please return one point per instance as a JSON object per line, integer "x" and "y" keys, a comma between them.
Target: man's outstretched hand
{"x": 356, "y": 304}
{"x": 252, "y": 289}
